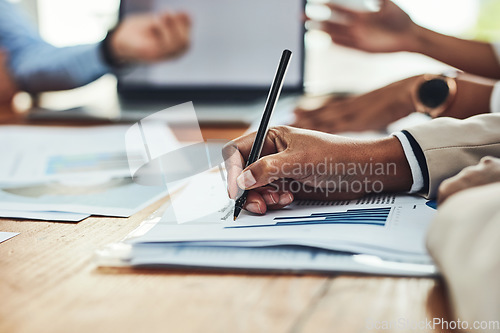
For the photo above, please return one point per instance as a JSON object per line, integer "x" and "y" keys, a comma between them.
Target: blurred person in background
{"x": 28, "y": 63}
{"x": 457, "y": 95}
{"x": 469, "y": 256}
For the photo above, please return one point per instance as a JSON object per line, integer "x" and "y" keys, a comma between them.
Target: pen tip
{"x": 234, "y": 218}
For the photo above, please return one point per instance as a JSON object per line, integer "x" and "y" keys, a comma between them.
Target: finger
{"x": 174, "y": 27}
{"x": 349, "y": 13}
{"x": 328, "y": 120}
{"x": 255, "y": 203}
{"x": 346, "y": 41}
{"x": 234, "y": 163}
{"x": 333, "y": 28}
{"x": 243, "y": 145}
{"x": 450, "y": 187}
{"x": 164, "y": 34}
{"x": 274, "y": 197}
{"x": 266, "y": 170}
{"x": 184, "y": 17}
{"x": 285, "y": 199}
{"x": 179, "y": 28}
{"x": 236, "y": 153}
{"x": 320, "y": 108}
{"x": 299, "y": 110}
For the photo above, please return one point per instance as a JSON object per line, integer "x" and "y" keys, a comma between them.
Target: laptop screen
{"x": 235, "y": 48}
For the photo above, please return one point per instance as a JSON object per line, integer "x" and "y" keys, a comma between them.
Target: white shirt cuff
{"x": 416, "y": 172}
{"x": 495, "y": 99}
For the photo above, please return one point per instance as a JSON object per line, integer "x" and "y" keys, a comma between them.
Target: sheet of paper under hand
{"x": 389, "y": 226}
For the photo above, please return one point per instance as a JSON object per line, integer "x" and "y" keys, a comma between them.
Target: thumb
{"x": 265, "y": 171}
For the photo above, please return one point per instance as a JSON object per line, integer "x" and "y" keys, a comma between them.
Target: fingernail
{"x": 246, "y": 179}
{"x": 270, "y": 200}
{"x": 286, "y": 199}
{"x": 254, "y": 208}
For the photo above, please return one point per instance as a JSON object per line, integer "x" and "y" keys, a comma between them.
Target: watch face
{"x": 433, "y": 93}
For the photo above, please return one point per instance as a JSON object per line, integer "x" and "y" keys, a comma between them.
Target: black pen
{"x": 272, "y": 98}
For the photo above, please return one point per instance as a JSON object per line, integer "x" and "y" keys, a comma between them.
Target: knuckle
{"x": 266, "y": 166}
{"x": 445, "y": 186}
{"x": 487, "y": 160}
{"x": 277, "y": 130}
{"x": 267, "y": 170}
{"x": 229, "y": 150}
{"x": 442, "y": 191}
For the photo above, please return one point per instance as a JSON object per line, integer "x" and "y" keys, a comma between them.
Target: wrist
{"x": 403, "y": 97}
{"x": 390, "y": 160}
{"x": 421, "y": 41}
{"x": 110, "y": 50}
{"x": 473, "y": 97}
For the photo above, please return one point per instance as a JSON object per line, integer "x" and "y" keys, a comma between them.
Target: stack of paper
{"x": 383, "y": 234}
{"x": 67, "y": 174}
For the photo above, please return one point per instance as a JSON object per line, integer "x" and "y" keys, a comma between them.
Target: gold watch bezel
{"x": 437, "y": 111}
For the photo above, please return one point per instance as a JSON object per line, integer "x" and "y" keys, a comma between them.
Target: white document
{"x": 389, "y": 226}
{"x": 34, "y": 155}
{"x": 79, "y": 170}
{"x": 382, "y": 234}
{"x": 45, "y": 216}
{"x": 7, "y": 235}
{"x": 115, "y": 197}
{"x": 269, "y": 259}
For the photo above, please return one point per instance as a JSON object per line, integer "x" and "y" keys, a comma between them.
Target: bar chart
{"x": 367, "y": 216}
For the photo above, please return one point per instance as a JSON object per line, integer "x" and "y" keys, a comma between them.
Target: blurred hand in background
{"x": 150, "y": 37}
{"x": 487, "y": 171}
{"x": 371, "y": 111}
{"x": 391, "y": 30}
{"x": 38, "y": 66}
{"x": 388, "y": 30}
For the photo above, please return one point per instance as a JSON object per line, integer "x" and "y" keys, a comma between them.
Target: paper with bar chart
{"x": 388, "y": 226}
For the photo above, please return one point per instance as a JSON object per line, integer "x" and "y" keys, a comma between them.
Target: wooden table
{"x": 50, "y": 284}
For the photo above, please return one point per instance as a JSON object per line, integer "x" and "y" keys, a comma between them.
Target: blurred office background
{"x": 328, "y": 67}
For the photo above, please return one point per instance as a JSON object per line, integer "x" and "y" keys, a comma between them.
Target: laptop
{"x": 229, "y": 66}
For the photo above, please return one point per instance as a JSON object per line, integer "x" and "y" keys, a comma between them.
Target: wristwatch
{"x": 433, "y": 94}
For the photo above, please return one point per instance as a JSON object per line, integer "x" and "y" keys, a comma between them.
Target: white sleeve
{"x": 416, "y": 172}
{"x": 495, "y": 99}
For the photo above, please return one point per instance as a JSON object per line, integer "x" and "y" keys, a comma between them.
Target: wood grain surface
{"x": 49, "y": 283}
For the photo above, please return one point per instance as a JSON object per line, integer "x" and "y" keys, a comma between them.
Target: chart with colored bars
{"x": 373, "y": 216}
{"x": 365, "y": 216}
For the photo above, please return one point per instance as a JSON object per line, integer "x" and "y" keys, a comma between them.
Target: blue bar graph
{"x": 368, "y": 216}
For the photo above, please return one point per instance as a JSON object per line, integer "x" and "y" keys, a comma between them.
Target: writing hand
{"x": 305, "y": 164}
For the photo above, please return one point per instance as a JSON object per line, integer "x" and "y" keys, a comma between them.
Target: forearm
{"x": 473, "y": 97}
{"x": 43, "y": 67}
{"x": 390, "y": 165}
{"x": 470, "y": 56}
{"x": 36, "y": 65}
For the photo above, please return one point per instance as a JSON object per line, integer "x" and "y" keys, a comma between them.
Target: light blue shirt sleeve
{"x": 39, "y": 66}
